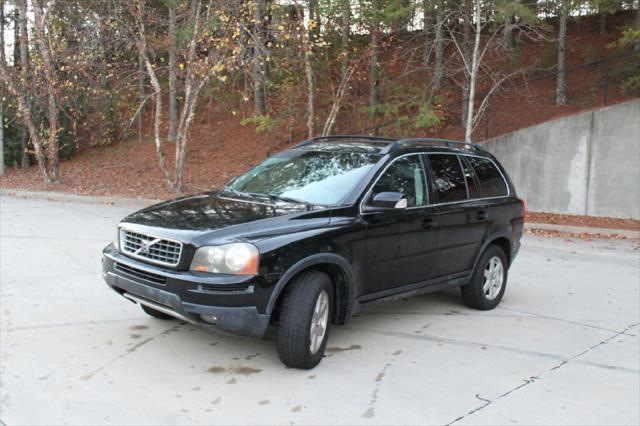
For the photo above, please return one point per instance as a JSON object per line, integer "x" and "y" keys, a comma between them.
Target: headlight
{"x": 235, "y": 258}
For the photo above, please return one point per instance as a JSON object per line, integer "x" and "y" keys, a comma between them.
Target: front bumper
{"x": 187, "y": 296}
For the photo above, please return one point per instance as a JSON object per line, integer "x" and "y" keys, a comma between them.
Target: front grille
{"x": 139, "y": 273}
{"x": 153, "y": 249}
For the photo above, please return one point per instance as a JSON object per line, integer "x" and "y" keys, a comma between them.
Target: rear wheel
{"x": 489, "y": 280}
{"x": 305, "y": 316}
{"x": 156, "y": 314}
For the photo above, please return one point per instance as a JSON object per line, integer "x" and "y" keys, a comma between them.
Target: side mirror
{"x": 389, "y": 200}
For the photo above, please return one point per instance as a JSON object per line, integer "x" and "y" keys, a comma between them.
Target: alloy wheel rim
{"x": 493, "y": 278}
{"x": 319, "y": 322}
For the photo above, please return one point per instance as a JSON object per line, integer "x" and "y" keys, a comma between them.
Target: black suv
{"x": 313, "y": 234}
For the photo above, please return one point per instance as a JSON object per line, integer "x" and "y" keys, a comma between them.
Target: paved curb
{"x": 81, "y": 199}
{"x": 143, "y": 202}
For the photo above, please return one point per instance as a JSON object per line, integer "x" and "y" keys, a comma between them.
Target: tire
{"x": 480, "y": 293}
{"x": 156, "y": 314}
{"x": 303, "y": 295}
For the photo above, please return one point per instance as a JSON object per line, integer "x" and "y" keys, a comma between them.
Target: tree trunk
{"x": 337, "y": 102}
{"x": 561, "y": 89}
{"x": 258, "y": 59}
{"x": 191, "y": 92}
{"x": 636, "y": 48}
{"x": 473, "y": 75}
{"x": 1, "y": 128}
{"x": 16, "y": 37}
{"x": 2, "y": 45}
{"x": 314, "y": 16}
{"x": 9, "y": 82}
{"x": 308, "y": 70}
{"x": 438, "y": 71}
{"x": 44, "y": 49}
{"x": 427, "y": 22}
{"x": 24, "y": 69}
{"x": 157, "y": 93}
{"x": 374, "y": 48}
{"x": 345, "y": 72}
{"x": 509, "y": 26}
{"x": 345, "y": 33}
{"x": 142, "y": 95}
{"x": 466, "y": 51}
{"x": 108, "y": 130}
{"x": 602, "y": 19}
{"x": 173, "y": 78}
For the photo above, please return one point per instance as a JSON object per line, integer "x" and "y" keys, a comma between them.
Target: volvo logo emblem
{"x": 145, "y": 246}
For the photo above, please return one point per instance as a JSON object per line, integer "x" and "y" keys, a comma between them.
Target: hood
{"x": 211, "y": 211}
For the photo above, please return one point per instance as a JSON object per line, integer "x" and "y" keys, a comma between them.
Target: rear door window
{"x": 491, "y": 181}
{"x": 447, "y": 179}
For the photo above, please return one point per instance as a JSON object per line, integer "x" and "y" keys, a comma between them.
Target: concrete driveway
{"x": 562, "y": 348}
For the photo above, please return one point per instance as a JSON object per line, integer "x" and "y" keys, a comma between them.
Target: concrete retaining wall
{"x": 588, "y": 163}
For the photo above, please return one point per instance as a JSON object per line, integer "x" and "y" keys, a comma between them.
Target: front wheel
{"x": 305, "y": 316}
{"x": 489, "y": 280}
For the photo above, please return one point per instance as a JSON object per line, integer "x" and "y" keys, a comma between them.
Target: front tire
{"x": 305, "y": 316}
{"x": 489, "y": 280}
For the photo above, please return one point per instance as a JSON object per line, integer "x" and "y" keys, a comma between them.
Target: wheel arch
{"x": 342, "y": 278}
{"x": 501, "y": 241}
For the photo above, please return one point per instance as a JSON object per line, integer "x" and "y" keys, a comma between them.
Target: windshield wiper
{"x": 270, "y": 196}
{"x": 288, "y": 199}
{"x": 234, "y": 191}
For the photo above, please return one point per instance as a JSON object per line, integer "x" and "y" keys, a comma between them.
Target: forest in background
{"x": 162, "y": 76}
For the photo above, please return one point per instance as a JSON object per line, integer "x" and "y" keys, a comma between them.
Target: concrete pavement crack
{"x": 567, "y": 321}
{"x": 129, "y": 351}
{"x": 533, "y": 379}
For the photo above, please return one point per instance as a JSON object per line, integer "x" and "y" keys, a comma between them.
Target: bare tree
{"x": 173, "y": 71}
{"x": 258, "y": 57}
{"x": 438, "y": 70}
{"x": 561, "y": 85}
{"x": 1, "y": 127}
{"x": 308, "y": 69}
{"x": 510, "y": 25}
{"x": 474, "y": 60}
{"x": 374, "y": 51}
{"x": 2, "y": 46}
{"x": 636, "y": 24}
{"x": 346, "y": 72}
{"x": 43, "y": 43}
{"x": 24, "y": 69}
{"x": 197, "y": 72}
{"x": 46, "y": 149}
{"x": 345, "y": 34}
{"x": 466, "y": 53}
{"x": 473, "y": 73}
{"x": 427, "y": 23}
{"x": 337, "y": 102}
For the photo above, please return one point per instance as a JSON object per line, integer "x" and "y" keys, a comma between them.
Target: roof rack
{"x": 394, "y": 146}
{"x": 346, "y": 138}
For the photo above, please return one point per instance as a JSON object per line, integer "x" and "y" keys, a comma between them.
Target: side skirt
{"x": 414, "y": 289}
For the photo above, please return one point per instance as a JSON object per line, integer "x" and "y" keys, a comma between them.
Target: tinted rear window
{"x": 447, "y": 179}
{"x": 491, "y": 181}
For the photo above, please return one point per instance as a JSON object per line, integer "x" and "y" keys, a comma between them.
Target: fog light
{"x": 209, "y": 318}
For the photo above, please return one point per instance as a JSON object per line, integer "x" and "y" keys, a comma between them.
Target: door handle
{"x": 427, "y": 223}
{"x": 482, "y": 214}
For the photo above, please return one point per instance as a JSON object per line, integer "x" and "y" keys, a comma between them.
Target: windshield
{"x": 308, "y": 176}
